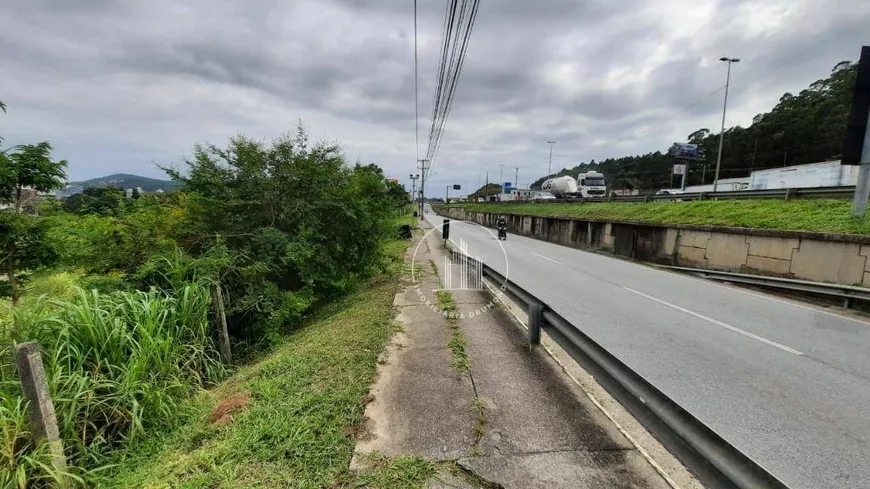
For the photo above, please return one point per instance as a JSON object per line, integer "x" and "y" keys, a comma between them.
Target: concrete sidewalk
{"x": 513, "y": 419}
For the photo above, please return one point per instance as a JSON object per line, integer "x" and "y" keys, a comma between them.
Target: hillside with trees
{"x": 805, "y": 128}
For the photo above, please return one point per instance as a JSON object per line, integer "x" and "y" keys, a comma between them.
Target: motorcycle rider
{"x": 501, "y": 225}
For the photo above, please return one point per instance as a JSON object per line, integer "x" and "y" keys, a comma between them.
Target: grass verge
{"x": 457, "y": 339}
{"x": 289, "y": 420}
{"x": 818, "y": 215}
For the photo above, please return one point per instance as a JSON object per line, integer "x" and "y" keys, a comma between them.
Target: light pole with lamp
{"x": 550, "y": 167}
{"x": 722, "y": 132}
{"x": 414, "y": 186}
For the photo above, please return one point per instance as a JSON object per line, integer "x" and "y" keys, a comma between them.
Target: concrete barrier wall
{"x": 842, "y": 259}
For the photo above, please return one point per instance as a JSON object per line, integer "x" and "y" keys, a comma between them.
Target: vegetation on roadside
{"x": 304, "y": 408}
{"x": 118, "y": 292}
{"x": 817, "y": 215}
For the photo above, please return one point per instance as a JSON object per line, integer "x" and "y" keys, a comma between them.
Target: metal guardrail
{"x": 715, "y": 461}
{"x": 846, "y": 292}
{"x": 784, "y": 194}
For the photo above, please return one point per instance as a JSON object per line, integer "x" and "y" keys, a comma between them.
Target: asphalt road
{"x": 786, "y": 383}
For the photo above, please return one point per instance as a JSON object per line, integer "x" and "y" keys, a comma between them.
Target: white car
{"x": 543, "y": 196}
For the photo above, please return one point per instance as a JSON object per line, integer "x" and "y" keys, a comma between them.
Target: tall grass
{"x": 117, "y": 367}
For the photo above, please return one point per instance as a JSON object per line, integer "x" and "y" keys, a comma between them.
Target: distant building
{"x": 519, "y": 194}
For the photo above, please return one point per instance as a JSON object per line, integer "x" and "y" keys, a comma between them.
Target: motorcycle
{"x": 502, "y": 234}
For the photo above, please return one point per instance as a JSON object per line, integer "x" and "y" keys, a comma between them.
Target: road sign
{"x": 506, "y": 188}
{"x": 679, "y": 169}
{"x": 456, "y": 187}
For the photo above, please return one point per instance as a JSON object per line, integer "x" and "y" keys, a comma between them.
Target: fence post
{"x": 43, "y": 422}
{"x": 223, "y": 334}
{"x": 536, "y": 313}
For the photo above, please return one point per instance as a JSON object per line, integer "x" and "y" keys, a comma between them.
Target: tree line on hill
{"x": 805, "y": 128}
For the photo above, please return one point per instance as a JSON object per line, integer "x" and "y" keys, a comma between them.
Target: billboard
{"x": 686, "y": 151}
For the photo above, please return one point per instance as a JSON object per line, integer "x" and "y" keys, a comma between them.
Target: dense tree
{"x": 103, "y": 201}
{"x": 22, "y": 246}
{"x": 805, "y": 128}
{"x": 298, "y": 222}
{"x": 29, "y": 166}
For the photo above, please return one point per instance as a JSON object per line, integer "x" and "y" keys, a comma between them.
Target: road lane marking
{"x": 736, "y": 288}
{"x": 718, "y": 323}
{"x": 544, "y": 257}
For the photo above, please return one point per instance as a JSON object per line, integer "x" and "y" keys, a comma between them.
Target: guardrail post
{"x": 702, "y": 196}
{"x": 646, "y": 198}
{"x": 536, "y": 314}
{"x": 445, "y": 229}
{"x": 790, "y": 193}
{"x": 43, "y": 422}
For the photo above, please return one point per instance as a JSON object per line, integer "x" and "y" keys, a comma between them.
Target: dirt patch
{"x": 223, "y": 413}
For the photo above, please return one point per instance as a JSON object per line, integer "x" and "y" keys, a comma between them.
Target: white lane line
{"x": 718, "y": 323}
{"x": 737, "y": 288}
{"x": 544, "y": 257}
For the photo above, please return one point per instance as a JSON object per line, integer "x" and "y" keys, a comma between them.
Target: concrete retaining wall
{"x": 834, "y": 258}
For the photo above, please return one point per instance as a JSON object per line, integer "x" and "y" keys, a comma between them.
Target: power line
{"x": 459, "y": 19}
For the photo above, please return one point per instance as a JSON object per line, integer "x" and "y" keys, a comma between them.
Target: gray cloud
{"x": 117, "y": 86}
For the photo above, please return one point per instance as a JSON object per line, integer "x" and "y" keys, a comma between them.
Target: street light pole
{"x": 550, "y": 167}
{"x": 423, "y": 167}
{"x": 414, "y": 186}
{"x": 722, "y": 131}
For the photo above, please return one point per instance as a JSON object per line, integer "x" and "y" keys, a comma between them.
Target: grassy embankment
{"x": 822, "y": 215}
{"x": 290, "y": 419}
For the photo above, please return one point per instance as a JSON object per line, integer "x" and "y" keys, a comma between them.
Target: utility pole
{"x": 722, "y": 131}
{"x": 550, "y": 166}
{"x": 485, "y": 188}
{"x": 517, "y": 177}
{"x": 754, "y": 153}
{"x": 424, "y": 167}
{"x": 784, "y": 157}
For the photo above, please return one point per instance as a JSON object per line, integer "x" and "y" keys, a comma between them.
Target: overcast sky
{"x": 118, "y": 86}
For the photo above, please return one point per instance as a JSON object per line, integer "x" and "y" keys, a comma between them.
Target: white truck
{"x": 591, "y": 184}
{"x": 561, "y": 187}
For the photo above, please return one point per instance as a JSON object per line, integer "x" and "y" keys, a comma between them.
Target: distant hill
{"x": 122, "y": 180}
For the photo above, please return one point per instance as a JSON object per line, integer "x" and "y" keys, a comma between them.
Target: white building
{"x": 519, "y": 194}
